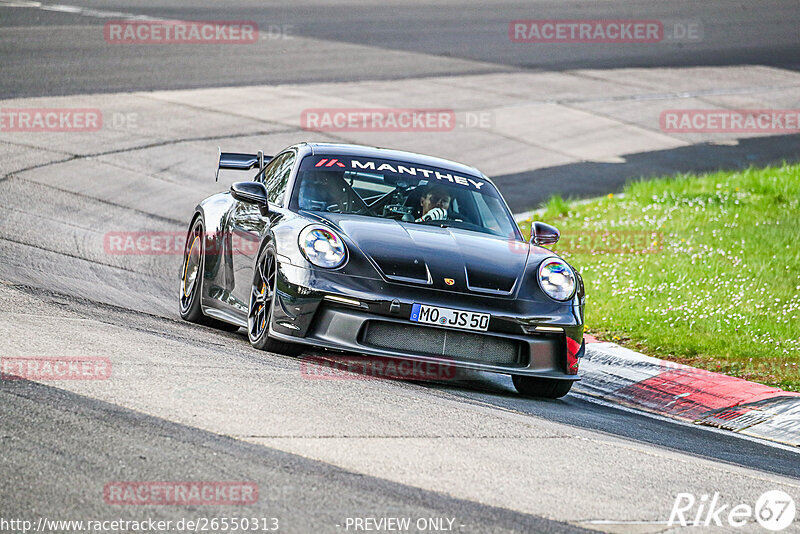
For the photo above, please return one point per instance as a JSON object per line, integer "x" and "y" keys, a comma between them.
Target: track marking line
{"x": 612, "y": 522}
{"x": 77, "y": 10}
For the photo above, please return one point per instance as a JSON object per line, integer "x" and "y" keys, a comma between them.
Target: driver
{"x": 322, "y": 192}
{"x": 434, "y": 203}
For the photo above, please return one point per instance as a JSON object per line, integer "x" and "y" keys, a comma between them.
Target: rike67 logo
{"x": 774, "y": 510}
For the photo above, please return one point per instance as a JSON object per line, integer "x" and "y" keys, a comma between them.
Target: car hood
{"x": 444, "y": 258}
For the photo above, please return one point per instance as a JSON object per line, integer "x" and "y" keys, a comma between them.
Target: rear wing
{"x": 241, "y": 162}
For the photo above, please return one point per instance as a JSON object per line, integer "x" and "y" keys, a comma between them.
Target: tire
{"x": 191, "y": 286}
{"x": 547, "y": 388}
{"x": 262, "y": 296}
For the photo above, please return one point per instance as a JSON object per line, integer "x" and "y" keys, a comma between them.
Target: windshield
{"x": 406, "y": 192}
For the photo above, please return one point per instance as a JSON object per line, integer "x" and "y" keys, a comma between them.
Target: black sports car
{"x": 384, "y": 253}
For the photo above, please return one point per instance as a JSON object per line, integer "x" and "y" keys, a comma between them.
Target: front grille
{"x": 438, "y": 342}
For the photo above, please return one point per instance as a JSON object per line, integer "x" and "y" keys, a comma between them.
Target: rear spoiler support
{"x": 241, "y": 162}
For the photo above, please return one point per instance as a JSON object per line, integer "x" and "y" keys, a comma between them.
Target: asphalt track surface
{"x": 100, "y": 441}
{"x": 56, "y": 52}
{"x": 59, "y": 447}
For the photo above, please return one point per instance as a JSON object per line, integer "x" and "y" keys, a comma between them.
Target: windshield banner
{"x": 378, "y": 166}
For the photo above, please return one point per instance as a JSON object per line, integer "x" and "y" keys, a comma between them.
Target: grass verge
{"x": 702, "y": 270}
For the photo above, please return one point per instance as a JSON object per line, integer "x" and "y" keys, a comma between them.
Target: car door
{"x": 248, "y": 225}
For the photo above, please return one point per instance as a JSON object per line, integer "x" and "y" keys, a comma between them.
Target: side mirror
{"x": 544, "y": 234}
{"x": 250, "y": 192}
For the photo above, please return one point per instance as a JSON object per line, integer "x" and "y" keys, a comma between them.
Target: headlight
{"x": 557, "y": 279}
{"x": 322, "y": 247}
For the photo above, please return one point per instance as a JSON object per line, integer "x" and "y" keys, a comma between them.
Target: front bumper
{"x": 370, "y": 316}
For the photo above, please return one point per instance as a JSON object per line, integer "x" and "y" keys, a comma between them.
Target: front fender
{"x": 218, "y": 272}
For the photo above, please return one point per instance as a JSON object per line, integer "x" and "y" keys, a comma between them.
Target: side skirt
{"x": 226, "y": 316}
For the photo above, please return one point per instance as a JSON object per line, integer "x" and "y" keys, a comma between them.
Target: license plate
{"x": 465, "y": 320}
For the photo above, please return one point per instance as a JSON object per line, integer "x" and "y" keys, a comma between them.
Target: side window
{"x": 277, "y": 176}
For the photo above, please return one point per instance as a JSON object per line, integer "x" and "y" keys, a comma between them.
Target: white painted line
{"x": 5, "y": 3}
{"x": 63, "y": 9}
{"x": 612, "y": 522}
{"x": 78, "y": 10}
{"x": 525, "y": 215}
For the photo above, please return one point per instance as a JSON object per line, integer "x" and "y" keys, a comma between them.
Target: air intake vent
{"x": 440, "y": 342}
{"x": 478, "y": 280}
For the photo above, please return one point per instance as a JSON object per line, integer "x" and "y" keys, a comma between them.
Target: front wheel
{"x": 548, "y": 388}
{"x": 262, "y": 295}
